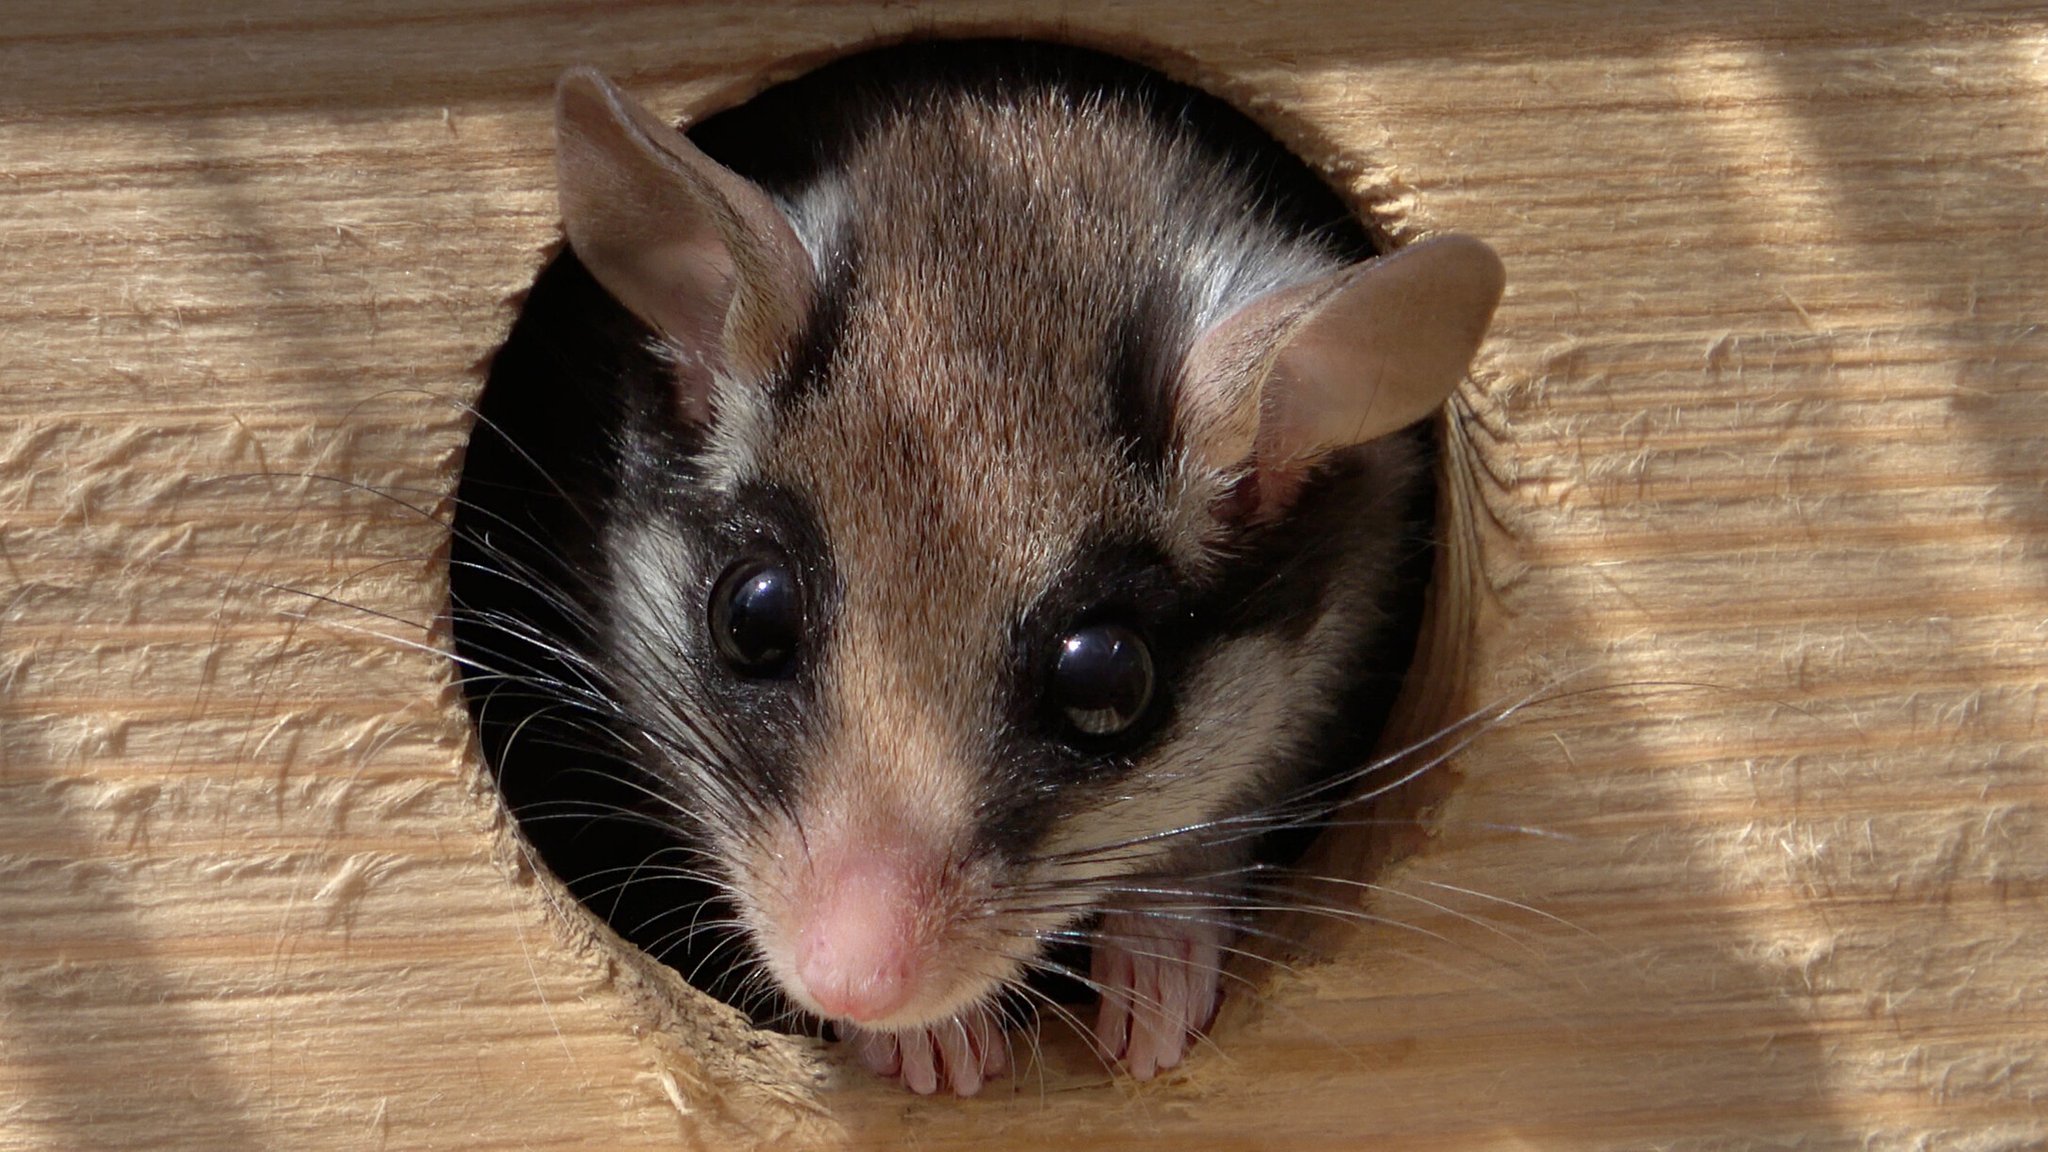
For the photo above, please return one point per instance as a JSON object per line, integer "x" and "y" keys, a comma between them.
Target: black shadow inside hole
{"x": 542, "y": 473}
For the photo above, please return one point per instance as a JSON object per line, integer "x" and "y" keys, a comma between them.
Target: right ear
{"x": 690, "y": 247}
{"x": 1303, "y": 371}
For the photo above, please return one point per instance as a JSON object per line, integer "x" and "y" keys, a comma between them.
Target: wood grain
{"x": 1750, "y": 480}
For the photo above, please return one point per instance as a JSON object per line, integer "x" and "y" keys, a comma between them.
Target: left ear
{"x": 689, "y": 246}
{"x": 1301, "y": 372}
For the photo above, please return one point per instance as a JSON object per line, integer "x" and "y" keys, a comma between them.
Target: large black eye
{"x": 756, "y": 617}
{"x": 1102, "y": 678}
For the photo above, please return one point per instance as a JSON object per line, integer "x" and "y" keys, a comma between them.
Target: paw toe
{"x": 959, "y": 1055}
{"x": 1158, "y": 984}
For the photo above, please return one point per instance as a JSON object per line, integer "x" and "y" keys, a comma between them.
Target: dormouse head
{"x": 1018, "y": 503}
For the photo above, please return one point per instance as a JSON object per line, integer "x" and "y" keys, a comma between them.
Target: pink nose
{"x": 856, "y": 952}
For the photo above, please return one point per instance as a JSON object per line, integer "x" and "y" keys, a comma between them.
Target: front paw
{"x": 1158, "y": 981}
{"x": 959, "y": 1054}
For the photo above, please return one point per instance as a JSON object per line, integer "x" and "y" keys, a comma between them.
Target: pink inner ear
{"x": 1266, "y": 491}
{"x": 1222, "y": 397}
{"x": 687, "y": 245}
{"x": 1340, "y": 361}
{"x": 637, "y": 219}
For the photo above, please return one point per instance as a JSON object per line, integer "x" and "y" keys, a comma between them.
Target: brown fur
{"x": 1009, "y": 296}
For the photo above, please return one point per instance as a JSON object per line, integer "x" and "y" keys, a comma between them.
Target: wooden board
{"x": 1758, "y": 443}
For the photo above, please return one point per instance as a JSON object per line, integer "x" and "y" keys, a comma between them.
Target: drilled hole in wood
{"x": 607, "y": 515}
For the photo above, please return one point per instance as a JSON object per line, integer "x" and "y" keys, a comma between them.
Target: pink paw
{"x": 960, "y": 1054}
{"x": 1158, "y": 983}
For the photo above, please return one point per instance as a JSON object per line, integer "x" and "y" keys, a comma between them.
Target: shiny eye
{"x": 1102, "y": 678}
{"x": 757, "y": 619}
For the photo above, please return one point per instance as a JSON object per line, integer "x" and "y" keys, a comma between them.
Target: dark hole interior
{"x": 540, "y": 477}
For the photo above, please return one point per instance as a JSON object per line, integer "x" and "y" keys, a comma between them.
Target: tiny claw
{"x": 1159, "y": 988}
{"x": 959, "y": 1054}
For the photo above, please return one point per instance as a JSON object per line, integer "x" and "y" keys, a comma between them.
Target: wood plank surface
{"x": 1750, "y": 482}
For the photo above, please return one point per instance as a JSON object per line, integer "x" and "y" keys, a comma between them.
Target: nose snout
{"x": 857, "y": 951}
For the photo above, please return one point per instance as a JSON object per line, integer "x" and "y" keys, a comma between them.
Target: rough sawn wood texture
{"x": 1759, "y": 437}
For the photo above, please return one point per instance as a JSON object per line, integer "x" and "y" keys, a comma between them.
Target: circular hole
{"x": 614, "y": 475}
